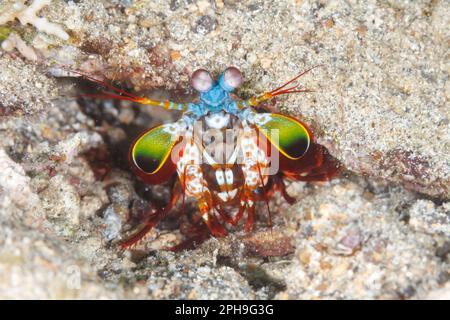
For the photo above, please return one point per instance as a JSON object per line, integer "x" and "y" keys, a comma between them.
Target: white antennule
{"x": 217, "y": 120}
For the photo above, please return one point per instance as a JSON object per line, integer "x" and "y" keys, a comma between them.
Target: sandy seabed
{"x": 380, "y": 230}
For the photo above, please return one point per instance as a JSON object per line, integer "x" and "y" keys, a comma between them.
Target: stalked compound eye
{"x": 230, "y": 79}
{"x": 201, "y": 80}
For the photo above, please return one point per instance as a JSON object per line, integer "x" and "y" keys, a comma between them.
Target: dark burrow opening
{"x": 114, "y": 155}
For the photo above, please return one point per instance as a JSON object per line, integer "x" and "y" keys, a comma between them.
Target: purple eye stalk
{"x": 230, "y": 79}
{"x": 201, "y": 80}
{"x": 215, "y": 95}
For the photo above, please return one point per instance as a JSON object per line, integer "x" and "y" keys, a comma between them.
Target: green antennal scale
{"x": 153, "y": 148}
{"x": 287, "y": 134}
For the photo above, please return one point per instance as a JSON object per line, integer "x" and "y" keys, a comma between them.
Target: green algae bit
{"x": 4, "y": 33}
